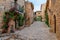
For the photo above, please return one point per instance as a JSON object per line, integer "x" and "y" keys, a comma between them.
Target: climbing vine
{"x": 12, "y": 15}
{"x": 46, "y": 17}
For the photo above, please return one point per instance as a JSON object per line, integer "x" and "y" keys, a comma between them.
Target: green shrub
{"x": 14, "y": 16}
{"x": 39, "y": 18}
{"x": 11, "y": 15}
{"x": 46, "y": 17}
{"x": 5, "y": 26}
{"x": 20, "y": 20}
{"x": 5, "y": 19}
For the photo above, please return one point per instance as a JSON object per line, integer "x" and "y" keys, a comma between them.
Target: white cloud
{"x": 37, "y": 0}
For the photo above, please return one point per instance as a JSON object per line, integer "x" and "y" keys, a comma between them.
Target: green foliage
{"x": 47, "y": 19}
{"x": 5, "y": 19}
{"x": 5, "y": 26}
{"x": 11, "y": 14}
{"x": 39, "y": 18}
{"x": 15, "y": 16}
{"x": 20, "y": 20}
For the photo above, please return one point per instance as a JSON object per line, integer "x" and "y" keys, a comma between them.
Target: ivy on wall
{"x": 12, "y": 15}
{"x": 39, "y": 18}
{"x": 46, "y": 17}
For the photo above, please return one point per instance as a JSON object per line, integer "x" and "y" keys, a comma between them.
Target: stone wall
{"x": 5, "y": 5}
{"x": 29, "y": 12}
{"x": 57, "y": 10}
{"x": 43, "y": 8}
{"x": 54, "y": 16}
{"x": 38, "y": 13}
{"x": 51, "y": 14}
{"x": 21, "y": 2}
{"x": 1, "y": 14}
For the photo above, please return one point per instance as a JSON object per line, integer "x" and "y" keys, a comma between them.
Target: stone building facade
{"x": 6, "y": 5}
{"x": 54, "y": 16}
{"x": 29, "y": 13}
{"x": 43, "y": 7}
{"x": 38, "y": 13}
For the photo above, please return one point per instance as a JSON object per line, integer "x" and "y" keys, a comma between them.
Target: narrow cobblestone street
{"x": 37, "y": 31}
{"x": 29, "y": 20}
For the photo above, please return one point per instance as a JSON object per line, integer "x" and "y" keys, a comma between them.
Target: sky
{"x": 37, "y": 4}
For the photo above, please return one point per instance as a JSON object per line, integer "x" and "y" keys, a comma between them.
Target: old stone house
{"x": 29, "y": 12}
{"x": 43, "y": 7}
{"x": 6, "y": 5}
{"x": 54, "y": 16}
{"x": 38, "y": 13}
{"x": 38, "y": 16}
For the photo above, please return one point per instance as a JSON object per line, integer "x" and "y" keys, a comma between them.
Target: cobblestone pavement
{"x": 37, "y": 31}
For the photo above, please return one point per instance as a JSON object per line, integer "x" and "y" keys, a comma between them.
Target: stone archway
{"x": 54, "y": 23}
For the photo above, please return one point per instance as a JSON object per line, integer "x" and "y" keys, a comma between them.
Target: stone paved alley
{"x": 37, "y": 31}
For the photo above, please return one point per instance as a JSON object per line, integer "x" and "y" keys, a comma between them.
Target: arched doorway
{"x": 54, "y": 23}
